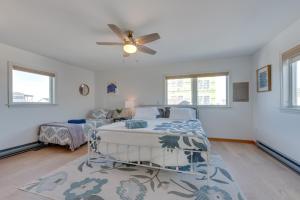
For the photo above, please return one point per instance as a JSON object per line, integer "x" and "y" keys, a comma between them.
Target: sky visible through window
{"x": 30, "y": 87}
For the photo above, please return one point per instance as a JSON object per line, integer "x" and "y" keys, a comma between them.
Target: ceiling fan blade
{"x": 125, "y": 54}
{"x": 118, "y": 32}
{"x": 109, "y": 43}
{"x": 147, "y": 38}
{"x": 145, "y": 49}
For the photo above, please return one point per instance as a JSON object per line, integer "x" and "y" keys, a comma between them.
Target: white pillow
{"x": 146, "y": 113}
{"x": 182, "y": 113}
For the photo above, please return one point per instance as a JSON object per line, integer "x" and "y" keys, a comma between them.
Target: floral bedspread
{"x": 190, "y": 127}
{"x": 163, "y": 142}
{"x": 189, "y": 134}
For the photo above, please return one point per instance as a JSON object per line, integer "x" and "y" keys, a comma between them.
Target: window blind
{"x": 198, "y": 75}
{"x": 24, "y": 69}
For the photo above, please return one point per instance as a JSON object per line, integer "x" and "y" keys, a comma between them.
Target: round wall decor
{"x": 84, "y": 89}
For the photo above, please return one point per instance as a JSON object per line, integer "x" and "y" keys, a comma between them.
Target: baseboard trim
{"x": 294, "y": 165}
{"x": 20, "y": 149}
{"x": 231, "y": 140}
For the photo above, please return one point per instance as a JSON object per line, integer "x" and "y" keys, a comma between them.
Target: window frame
{"x": 287, "y": 90}
{"x": 52, "y": 87}
{"x": 195, "y": 88}
{"x": 166, "y": 91}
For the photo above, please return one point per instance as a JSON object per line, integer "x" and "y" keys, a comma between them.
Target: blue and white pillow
{"x": 99, "y": 113}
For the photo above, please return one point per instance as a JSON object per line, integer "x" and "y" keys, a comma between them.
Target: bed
{"x": 64, "y": 134}
{"x": 166, "y": 143}
{"x": 59, "y": 133}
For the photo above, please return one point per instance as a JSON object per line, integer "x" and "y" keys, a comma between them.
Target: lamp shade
{"x": 129, "y": 104}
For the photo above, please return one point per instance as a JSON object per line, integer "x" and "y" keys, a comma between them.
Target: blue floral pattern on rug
{"x": 131, "y": 189}
{"x": 203, "y": 193}
{"x": 97, "y": 181}
{"x": 207, "y": 193}
{"x": 84, "y": 189}
{"x": 49, "y": 183}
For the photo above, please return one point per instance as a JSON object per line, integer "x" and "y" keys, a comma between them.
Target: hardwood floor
{"x": 260, "y": 176}
{"x": 20, "y": 169}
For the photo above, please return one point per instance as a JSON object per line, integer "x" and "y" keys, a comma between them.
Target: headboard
{"x": 177, "y": 106}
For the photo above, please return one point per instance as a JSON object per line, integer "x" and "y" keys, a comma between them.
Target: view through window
{"x": 179, "y": 91}
{"x": 212, "y": 90}
{"x": 30, "y": 87}
{"x": 203, "y": 90}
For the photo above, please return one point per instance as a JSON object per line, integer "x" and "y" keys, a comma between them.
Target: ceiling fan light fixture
{"x": 129, "y": 43}
{"x": 129, "y": 48}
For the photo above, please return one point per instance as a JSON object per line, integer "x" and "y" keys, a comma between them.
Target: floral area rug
{"x": 80, "y": 180}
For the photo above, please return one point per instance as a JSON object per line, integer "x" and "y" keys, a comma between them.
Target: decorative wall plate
{"x": 84, "y": 89}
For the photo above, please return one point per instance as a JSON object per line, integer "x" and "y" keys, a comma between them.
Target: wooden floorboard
{"x": 260, "y": 176}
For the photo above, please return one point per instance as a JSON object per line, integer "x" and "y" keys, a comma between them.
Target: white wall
{"x": 279, "y": 129}
{"x": 18, "y": 125}
{"x": 146, "y": 85}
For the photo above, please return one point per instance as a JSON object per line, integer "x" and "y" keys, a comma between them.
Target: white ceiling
{"x": 190, "y": 29}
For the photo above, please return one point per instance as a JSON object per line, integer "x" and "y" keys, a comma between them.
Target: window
{"x": 29, "y": 86}
{"x": 203, "y": 100}
{"x": 295, "y": 82}
{"x": 291, "y": 78}
{"x": 214, "y": 88}
{"x": 203, "y": 84}
{"x": 198, "y": 89}
{"x": 179, "y": 91}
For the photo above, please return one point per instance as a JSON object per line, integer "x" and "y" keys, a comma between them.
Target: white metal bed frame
{"x": 140, "y": 162}
{"x": 163, "y": 167}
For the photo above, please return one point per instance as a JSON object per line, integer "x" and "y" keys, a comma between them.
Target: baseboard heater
{"x": 20, "y": 149}
{"x": 279, "y": 156}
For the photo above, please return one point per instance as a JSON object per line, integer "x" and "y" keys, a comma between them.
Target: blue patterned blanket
{"x": 190, "y": 127}
{"x": 160, "y": 135}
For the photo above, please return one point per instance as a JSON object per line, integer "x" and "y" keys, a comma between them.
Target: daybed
{"x": 73, "y": 135}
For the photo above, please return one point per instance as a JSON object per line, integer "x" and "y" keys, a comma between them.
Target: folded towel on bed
{"x": 133, "y": 124}
{"x": 77, "y": 121}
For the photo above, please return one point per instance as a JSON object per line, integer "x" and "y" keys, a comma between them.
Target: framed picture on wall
{"x": 111, "y": 87}
{"x": 263, "y": 79}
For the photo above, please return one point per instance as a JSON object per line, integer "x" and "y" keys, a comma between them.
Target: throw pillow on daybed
{"x": 98, "y": 113}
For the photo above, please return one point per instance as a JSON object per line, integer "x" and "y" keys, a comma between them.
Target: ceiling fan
{"x": 130, "y": 44}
